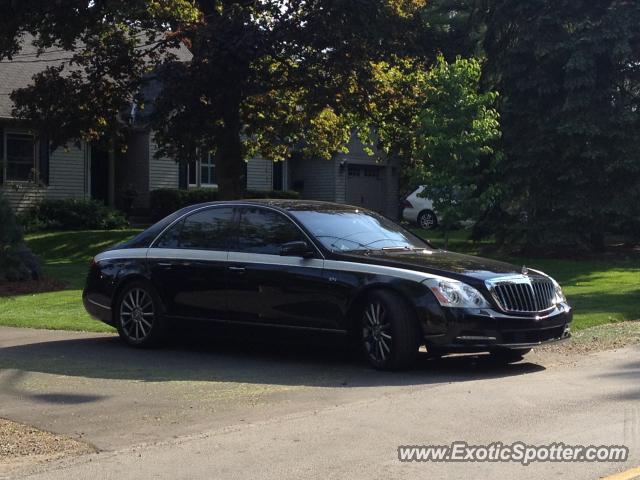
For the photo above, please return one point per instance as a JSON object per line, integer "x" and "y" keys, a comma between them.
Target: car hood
{"x": 437, "y": 262}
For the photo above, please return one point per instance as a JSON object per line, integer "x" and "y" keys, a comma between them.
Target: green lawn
{"x": 65, "y": 256}
{"x": 600, "y": 291}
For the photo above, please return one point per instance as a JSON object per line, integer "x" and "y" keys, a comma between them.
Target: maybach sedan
{"x": 324, "y": 267}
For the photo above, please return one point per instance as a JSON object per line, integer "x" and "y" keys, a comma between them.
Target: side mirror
{"x": 296, "y": 249}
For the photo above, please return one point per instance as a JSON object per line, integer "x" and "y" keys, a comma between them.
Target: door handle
{"x": 165, "y": 264}
{"x": 237, "y": 269}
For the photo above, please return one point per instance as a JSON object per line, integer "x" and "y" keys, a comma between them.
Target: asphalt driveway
{"x": 315, "y": 401}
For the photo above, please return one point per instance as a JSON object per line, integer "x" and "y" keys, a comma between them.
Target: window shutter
{"x": 182, "y": 175}
{"x": 43, "y": 159}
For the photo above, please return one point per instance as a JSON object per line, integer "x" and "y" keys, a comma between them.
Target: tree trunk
{"x": 230, "y": 171}
{"x": 111, "y": 173}
{"x": 597, "y": 241}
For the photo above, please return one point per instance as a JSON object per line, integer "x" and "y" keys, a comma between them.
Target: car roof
{"x": 282, "y": 204}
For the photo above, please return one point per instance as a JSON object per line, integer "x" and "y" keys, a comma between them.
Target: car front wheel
{"x": 139, "y": 320}
{"x": 388, "y": 331}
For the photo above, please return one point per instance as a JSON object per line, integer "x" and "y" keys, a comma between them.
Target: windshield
{"x": 343, "y": 230}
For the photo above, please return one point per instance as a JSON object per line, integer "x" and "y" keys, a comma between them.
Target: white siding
{"x": 68, "y": 178}
{"x": 22, "y": 195}
{"x": 318, "y": 178}
{"x": 163, "y": 172}
{"x": 259, "y": 174}
{"x": 68, "y": 172}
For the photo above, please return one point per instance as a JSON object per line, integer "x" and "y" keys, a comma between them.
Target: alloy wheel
{"x": 427, "y": 221}
{"x": 376, "y": 333}
{"x": 136, "y": 314}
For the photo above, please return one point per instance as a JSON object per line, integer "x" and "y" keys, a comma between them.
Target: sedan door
{"x": 188, "y": 264}
{"x": 269, "y": 288}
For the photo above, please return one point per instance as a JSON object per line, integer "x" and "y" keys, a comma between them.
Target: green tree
{"x": 457, "y": 130}
{"x": 458, "y": 27}
{"x": 266, "y": 75}
{"x": 16, "y": 260}
{"x": 568, "y": 73}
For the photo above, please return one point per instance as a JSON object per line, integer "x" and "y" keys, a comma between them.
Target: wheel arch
{"x": 359, "y": 297}
{"x": 125, "y": 281}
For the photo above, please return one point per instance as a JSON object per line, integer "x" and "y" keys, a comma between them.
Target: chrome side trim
{"x": 403, "y": 273}
{"x": 260, "y": 258}
{"x": 122, "y": 254}
{"x": 188, "y": 254}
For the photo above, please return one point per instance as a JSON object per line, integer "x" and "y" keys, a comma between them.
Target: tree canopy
{"x": 458, "y": 129}
{"x": 265, "y": 76}
{"x": 568, "y": 73}
{"x": 277, "y": 76}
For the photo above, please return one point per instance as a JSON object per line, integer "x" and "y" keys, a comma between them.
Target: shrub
{"x": 165, "y": 201}
{"x": 72, "y": 214}
{"x": 17, "y": 262}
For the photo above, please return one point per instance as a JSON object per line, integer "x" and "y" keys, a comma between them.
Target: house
{"x": 30, "y": 172}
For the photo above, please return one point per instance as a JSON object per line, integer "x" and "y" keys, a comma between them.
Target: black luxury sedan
{"x": 326, "y": 267}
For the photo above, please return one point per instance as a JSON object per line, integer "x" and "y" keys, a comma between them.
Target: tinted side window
{"x": 265, "y": 231}
{"x": 208, "y": 229}
{"x": 171, "y": 238}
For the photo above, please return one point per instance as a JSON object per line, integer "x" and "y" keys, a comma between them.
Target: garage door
{"x": 364, "y": 186}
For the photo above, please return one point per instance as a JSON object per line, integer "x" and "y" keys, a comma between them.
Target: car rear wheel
{"x": 427, "y": 220}
{"x": 389, "y": 333}
{"x": 139, "y": 320}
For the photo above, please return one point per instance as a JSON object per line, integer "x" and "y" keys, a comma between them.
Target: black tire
{"x": 509, "y": 355}
{"x": 427, "y": 220}
{"x": 388, "y": 331}
{"x": 138, "y": 316}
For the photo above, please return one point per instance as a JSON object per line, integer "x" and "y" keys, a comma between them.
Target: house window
{"x": 19, "y": 156}
{"x": 202, "y": 173}
{"x": 208, "y": 171}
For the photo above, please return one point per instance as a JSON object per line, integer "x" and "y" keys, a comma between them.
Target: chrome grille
{"x": 524, "y": 295}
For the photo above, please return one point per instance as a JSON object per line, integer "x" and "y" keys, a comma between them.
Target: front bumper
{"x": 470, "y": 330}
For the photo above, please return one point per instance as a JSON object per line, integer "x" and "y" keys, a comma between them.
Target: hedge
{"x": 72, "y": 214}
{"x": 165, "y": 201}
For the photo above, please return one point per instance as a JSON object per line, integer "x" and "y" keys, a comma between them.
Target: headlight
{"x": 451, "y": 293}
{"x": 558, "y": 294}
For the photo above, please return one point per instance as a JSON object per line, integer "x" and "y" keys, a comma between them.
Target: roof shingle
{"x": 20, "y": 70}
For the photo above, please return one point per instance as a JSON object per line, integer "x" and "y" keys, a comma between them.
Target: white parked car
{"x": 419, "y": 210}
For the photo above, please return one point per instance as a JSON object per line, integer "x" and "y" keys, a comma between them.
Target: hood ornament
{"x": 525, "y": 270}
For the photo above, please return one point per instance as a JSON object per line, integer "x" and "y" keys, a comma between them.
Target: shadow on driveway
{"x": 322, "y": 362}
